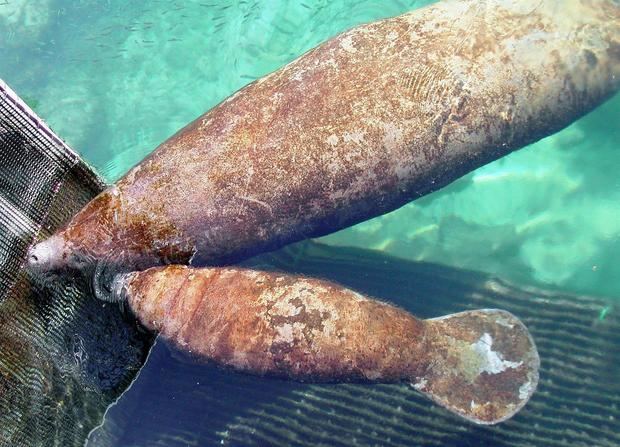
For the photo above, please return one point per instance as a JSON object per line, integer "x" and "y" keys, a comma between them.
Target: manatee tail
{"x": 484, "y": 365}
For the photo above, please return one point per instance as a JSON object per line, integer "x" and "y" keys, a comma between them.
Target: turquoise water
{"x": 115, "y": 78}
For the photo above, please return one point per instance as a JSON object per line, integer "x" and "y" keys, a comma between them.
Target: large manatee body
{"x": 359, "y": 126}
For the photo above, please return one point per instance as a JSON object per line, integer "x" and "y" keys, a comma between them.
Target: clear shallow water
{"x": 115, "y": 78}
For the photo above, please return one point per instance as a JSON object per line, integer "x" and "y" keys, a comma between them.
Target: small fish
{"x": 480, "y": 364}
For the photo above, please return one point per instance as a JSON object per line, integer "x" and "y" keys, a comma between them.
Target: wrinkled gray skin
{"x": 359, "y": 126}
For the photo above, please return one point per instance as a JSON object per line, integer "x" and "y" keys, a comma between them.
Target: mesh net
{"x": 63, "y": 357}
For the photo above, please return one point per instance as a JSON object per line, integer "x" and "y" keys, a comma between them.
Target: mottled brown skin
{"x": 359, "y": 126}
{"x": 279, "y": 325}
{"x": 306, "y": 329}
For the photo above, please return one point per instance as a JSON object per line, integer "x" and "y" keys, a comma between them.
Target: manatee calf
{"x": 481, "y": 364}
{"x": 359, "y": 126}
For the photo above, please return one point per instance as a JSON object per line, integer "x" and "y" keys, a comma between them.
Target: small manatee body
{"x": 359, "y": 126}
{"x": 481, "y": 364}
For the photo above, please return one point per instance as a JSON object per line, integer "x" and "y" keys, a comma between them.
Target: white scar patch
{"x": 332, "y": 140}
{"x": 526, "y": 390}
{"x": 491, "y": 361}
{"x": 420, "y": 385}
{"x": 285, "y": 333}
{"x": 347, "y": 44}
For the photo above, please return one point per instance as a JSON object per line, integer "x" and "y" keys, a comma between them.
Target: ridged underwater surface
{"x": 116, "y": 78}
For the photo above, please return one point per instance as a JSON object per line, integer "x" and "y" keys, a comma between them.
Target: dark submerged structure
{"x": 63, "y": 356}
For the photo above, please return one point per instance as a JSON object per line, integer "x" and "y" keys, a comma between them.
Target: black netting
{"x": 63, "y": 356}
